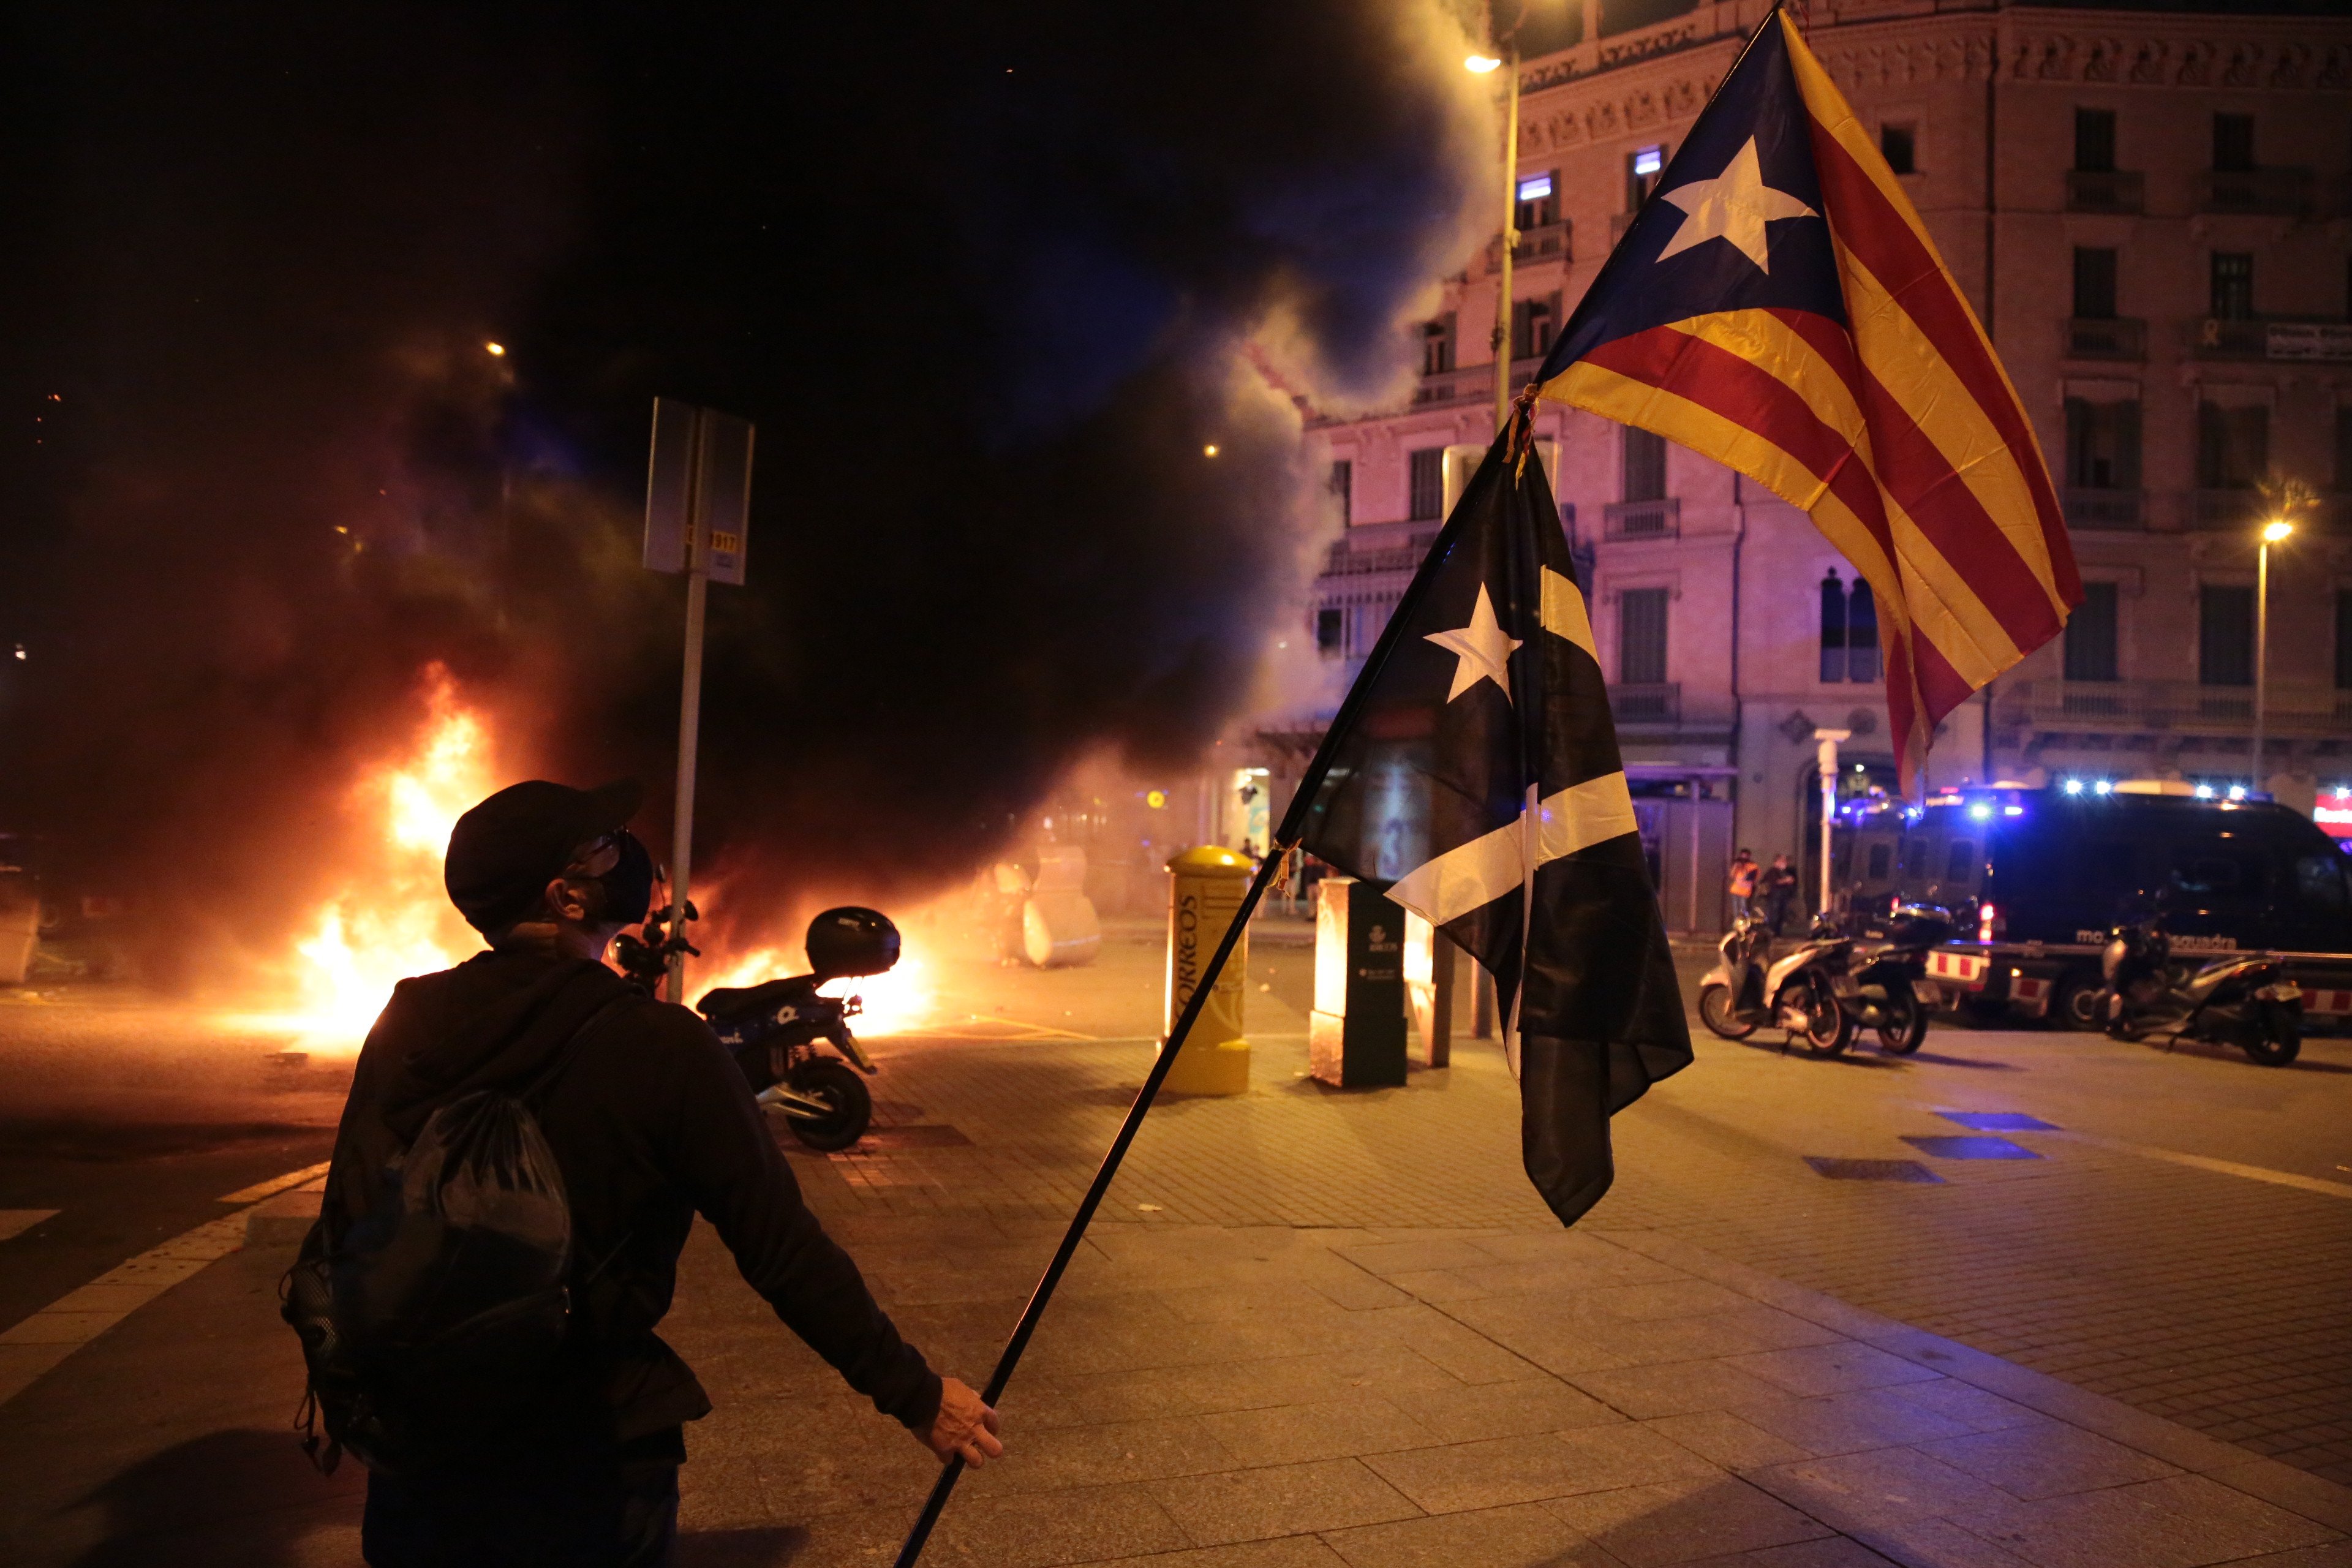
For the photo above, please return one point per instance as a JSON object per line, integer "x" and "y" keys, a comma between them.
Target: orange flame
{"x": 894, "y": 1002}
{"x": 393, "y": 918}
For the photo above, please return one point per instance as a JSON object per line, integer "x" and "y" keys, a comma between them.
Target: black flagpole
{"x": 1293, "y": 829}
{"x": 1044, "y": 1293}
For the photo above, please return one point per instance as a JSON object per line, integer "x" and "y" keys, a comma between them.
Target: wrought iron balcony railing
{"x": 2105, "y": 190}
{"x": 1641, "y": 519}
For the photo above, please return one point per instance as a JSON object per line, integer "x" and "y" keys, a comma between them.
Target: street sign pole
{"x": 698, "y": 512}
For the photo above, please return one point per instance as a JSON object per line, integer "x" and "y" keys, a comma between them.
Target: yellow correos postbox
{"x": 1204, "y": 890}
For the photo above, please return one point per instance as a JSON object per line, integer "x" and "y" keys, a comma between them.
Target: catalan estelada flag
{"x": 1778, "y": 306}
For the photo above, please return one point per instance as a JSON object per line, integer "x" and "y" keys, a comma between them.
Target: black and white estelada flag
{"x": 1472, "y": 774}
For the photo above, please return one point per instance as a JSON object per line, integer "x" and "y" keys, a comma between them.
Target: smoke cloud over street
{"x": 989, "y": 299}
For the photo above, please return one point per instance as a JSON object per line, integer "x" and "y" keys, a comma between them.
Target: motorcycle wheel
{"x": 2278, "y": 1042}
{"x": 838, "y": 1084}
{"x": 1715, "y": 1010}
{"x": 1829, "y": 1029}
{"x": 1906, "y": 1029}
{"x": 2081, "y": 1003}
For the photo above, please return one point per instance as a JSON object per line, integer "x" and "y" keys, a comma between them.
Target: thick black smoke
{"x": 988, "y": 278}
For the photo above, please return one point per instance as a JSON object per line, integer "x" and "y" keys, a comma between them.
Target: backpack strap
{"x": 529, "y": 1094}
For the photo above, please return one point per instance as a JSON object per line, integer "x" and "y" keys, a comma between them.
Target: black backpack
{"x": 431, "y": 1327}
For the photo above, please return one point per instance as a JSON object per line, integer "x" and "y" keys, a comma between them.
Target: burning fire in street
{"x": 894, "y": 1002}
{"x": 393, "y": 918}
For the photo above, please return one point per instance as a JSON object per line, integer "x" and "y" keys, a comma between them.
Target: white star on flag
{"x": 1482, "y": 649}
{"x": 1734, "y": 206}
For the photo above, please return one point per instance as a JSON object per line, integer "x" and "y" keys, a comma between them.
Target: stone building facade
{"x": 2152, "y": 213}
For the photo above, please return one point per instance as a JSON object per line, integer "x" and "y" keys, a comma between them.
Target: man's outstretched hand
{"x": 966, "y": 1425}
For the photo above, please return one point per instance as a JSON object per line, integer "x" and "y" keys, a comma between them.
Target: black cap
{"x": 504, "y": 852}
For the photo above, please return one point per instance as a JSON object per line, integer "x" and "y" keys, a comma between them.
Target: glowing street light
{"x": 1479, "y": 64}
{"x": 2274, "y": 533}
{"x": 495, "y": 350}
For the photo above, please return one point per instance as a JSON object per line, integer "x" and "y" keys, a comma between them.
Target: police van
{"x": 2038, "y": 877}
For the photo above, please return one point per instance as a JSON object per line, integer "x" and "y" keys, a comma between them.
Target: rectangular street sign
{"x": 698, "y": 491}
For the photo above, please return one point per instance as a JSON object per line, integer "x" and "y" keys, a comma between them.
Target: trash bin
{"x": 1204, "y": 892}
{"x": 1355, "y": 1037}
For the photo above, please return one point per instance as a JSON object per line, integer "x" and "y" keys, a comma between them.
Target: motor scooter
{"x": 2244, "y": 1000}
{"x": 1882, "y": 980}
{"x": 775, "y": 1030}
{"x": 1750, "y": 989}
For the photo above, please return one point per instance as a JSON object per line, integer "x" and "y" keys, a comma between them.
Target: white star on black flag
{"x": 1478, "y": 738}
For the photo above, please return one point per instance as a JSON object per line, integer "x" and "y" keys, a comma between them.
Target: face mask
{"x": 629, "y": 885}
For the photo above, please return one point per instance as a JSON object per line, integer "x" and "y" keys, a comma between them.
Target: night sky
{"x": 988, "y": 278}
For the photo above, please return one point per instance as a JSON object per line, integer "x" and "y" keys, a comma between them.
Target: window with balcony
{"x": 1642, "y": 636}
{"x": 2234, "y": 445}
{"x": 1899, "y": 145}
{"x": 2101, "y": 445}
{"x": 1643, "y": 167}
{"x": 2091, "y": 634}
{"x": 2234, "y": 143}
{"x": 1538, "y": 203}
{"x": 2225, "y": 635}
{"x": 1534, "y": 324}
{"x": 1437, "y": 346}
{"x": 2094, "y": 283}
{"x": 1331, "y": 631}
{"x": 2095, "y": 141}
{"x": 2230, "y": 286}
{"x": 1861, "y": 633}
{"x": 1848, "y": 630}
{"x": 1342, "y": 485}
{"x": 1642, "y": 471}
{"x": 1425, "y": 484}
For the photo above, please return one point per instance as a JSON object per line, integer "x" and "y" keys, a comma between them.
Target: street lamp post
{"x": 1509, "y": 61}
{"x": 2274, "y": 533}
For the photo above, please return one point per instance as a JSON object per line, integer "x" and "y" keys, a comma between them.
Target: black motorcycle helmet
{"x": 852, "y": 940}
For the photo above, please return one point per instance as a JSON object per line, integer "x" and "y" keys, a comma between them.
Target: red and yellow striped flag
{"x": 1779, "y": 307}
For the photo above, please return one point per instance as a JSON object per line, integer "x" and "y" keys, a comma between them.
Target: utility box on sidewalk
{"x": 1204, "y": 893}
{"x": 1355, "y": 1037}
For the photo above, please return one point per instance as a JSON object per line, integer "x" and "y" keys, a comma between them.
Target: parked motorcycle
{"x": 1882, "y": 980}
{"x": 2244, "y": 1000}
{"x": 776, "y": 1029}
{"x": 1797, "y": 992}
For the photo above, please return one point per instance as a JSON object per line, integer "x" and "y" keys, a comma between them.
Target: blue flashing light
{"x": 1980, "y": 814}
{"x": 2073, "y": 786}
{"x": 2237, "y": 792}
{"x": 2204, "y": 792}
{"x": 2104, "y": 788}
{"x": 2012, "y": 811}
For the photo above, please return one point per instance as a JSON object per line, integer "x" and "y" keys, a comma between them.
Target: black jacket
{"x": 652, "y": 1123}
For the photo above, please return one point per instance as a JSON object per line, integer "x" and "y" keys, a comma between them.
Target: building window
{"x": 2344, "y": 639}
{"x": 1642, "y": 636}
{"x": 1643, "y": 167}
{"x": 1331, "y": 631}
{"x": 2225, "y": 635}
{"x": 1861, "y": 633}
{"x": 2234, "y": 142}
{"x": 1425, "y": 487}
{"x": 1539, "y": 203}
{"x": 2102, "y": 445}
{"x": 2094, "y": 283}
{"x": 2233, "y": 286}
{"x": 1645, "y": 475}
{"x": 1834, "y": 638}
{"x": 2234, "y": 445}
{"x": 1899, "y": 145}
{"x": 2095, "y": 141}
{"x": 1625, "y": 15}
{"x": 1343, "y": 489}
{"x": 1437, "y": 346}
{"x": 1534, "y": 324}
{"x": 2091, "y": 634}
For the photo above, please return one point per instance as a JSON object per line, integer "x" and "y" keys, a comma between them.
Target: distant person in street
{"x": 1744, "y": 871}
{"x": 1778, "y": 885}
{"x": 651, "y": 1123}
